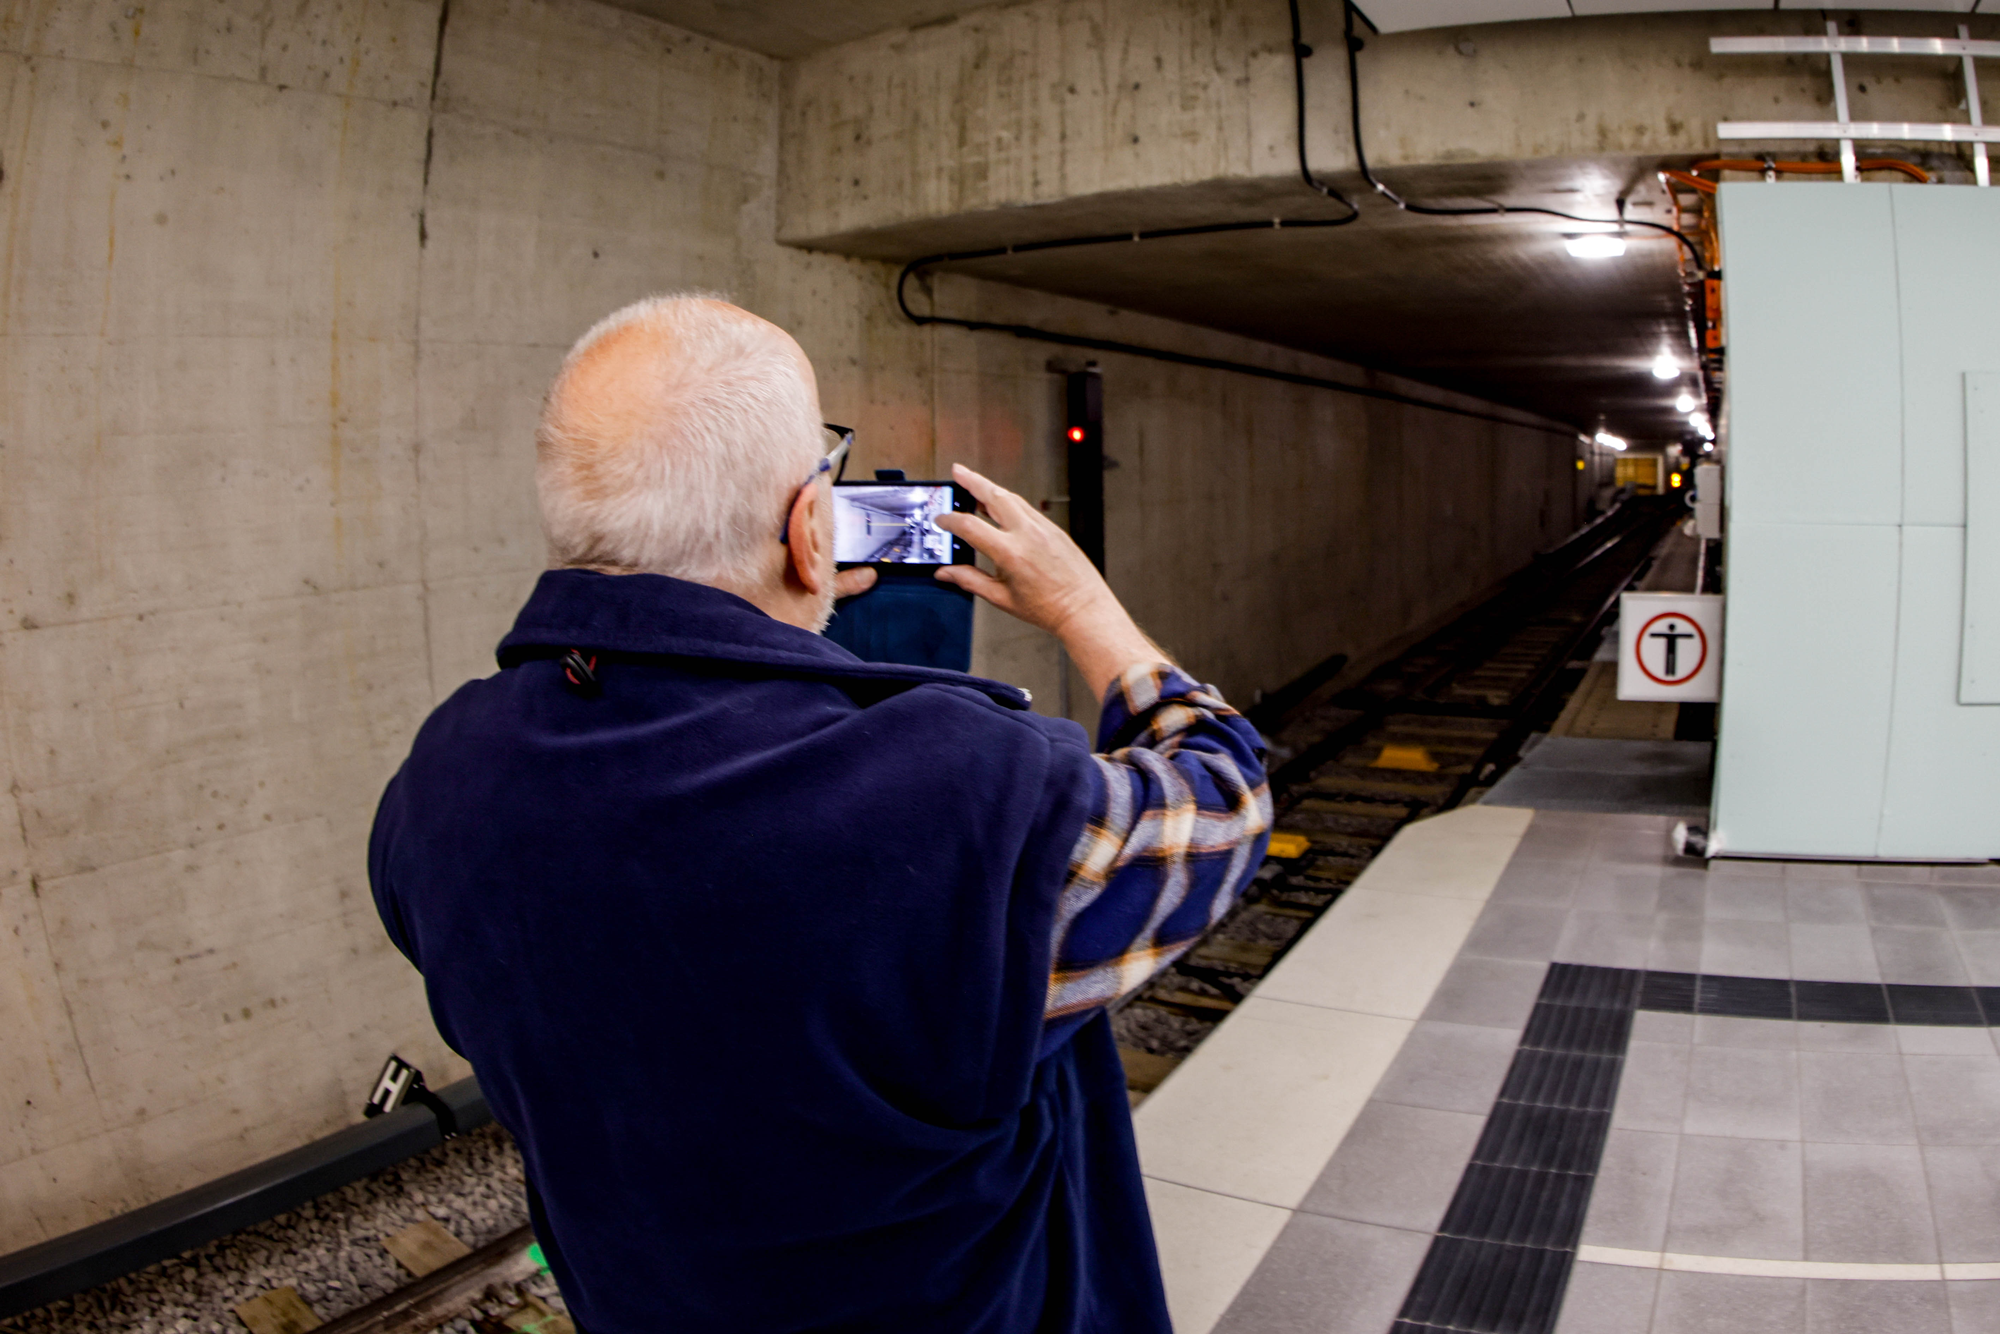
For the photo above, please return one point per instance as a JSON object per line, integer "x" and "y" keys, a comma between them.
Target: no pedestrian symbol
{"x": 1671, "y": 648}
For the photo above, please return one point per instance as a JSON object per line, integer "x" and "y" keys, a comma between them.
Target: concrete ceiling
{"x": 792, "y": 28}
{"x": 1493, "y": 306}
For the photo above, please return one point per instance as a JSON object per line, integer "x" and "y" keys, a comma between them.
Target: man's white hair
{"x": 681, "y": 459}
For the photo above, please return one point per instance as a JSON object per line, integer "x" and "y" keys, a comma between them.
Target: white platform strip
{"x": 1753, "y": 1268}
{"x": 1238, "y": 1134}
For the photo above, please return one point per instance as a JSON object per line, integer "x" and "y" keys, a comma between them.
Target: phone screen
{"x": 891, "y": 523}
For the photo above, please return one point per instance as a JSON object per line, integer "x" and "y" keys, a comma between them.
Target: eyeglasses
{"x": 841, "y": 440}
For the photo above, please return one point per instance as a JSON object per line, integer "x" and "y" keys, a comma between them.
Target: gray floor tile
{"x": 1868, "y": 1204}
{"x": 1921, "y": 954}
{"x": 1965, "y": 1201}
{"x": 1516, "y": 931}
{"x": 1957, "y": 1099}
{"x": 1722, "y": 1030}
{"x": 1858, "y": 1306}
{"x": 1894, "y": 873}
{"x": 1929, "y": 1040}
{"x": 1741, "y": 1197}
{"x": 1659, "y": 1026}
{"x": 1652, "y": 1090}
{"x": 1610, "y": 940}
{"x": 1970, "y": 908}
{"x": 1984, "y": 873}
{"x": 1827, "y": 902}
{"x": 1676, "y": 944}
{"x": 1635, "y": 1186}
{"x": 1608, "y": 1299}
{"x": 1491, "y": 993}
{"x": 1727, "y": 1304}
{"x": 1975, "y": 1307}
{"x": 1327, "y": 1276}
{"x": 1541, "y": 844}
{"x": 1847, "y": 1037}
{"x": 1834, "y": 953}
{"x": 1547, "y": 883}
{"x": 1746, "y": 900}
{"x": 1636, "y": 846}
{"x": 1855, "y": 1098}
{"x": 1744, "y": 1093}
{"x": 1397, "y": 1167}
{"x": 1903, "y": 905}
{"x": 1452, "y": 1067}
{"x": 1621, "y": 892}
{"x": 1823, "y": 870}
{"x": 1981, "y": 952}
{"x": 1745, "y": 868}
{"x": 1683, "y": 892}
{"x": 1745, "y": 949}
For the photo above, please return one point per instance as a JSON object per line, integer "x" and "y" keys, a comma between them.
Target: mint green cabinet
{"x": 1861, "y": 661}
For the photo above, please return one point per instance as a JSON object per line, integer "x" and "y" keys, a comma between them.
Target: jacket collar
{"x": 652, "y": 615}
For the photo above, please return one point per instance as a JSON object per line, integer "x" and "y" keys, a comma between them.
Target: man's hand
{"x": 857, "y": 580}
{"x": 1042, "y": 577}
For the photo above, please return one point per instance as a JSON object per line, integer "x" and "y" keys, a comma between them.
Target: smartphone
{"x": 893, "y": 525}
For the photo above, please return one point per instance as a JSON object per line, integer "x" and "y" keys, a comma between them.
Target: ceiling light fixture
{"x": 1700, "y": 422}
{"x": 1595, "y": 246}
{"x": 1666, "y": 368}
{"x": 1608, "y": 440}
{"x": 1684, "y": 404}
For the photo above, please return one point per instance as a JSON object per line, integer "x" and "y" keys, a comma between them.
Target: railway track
{"x": 1418, "y": 735}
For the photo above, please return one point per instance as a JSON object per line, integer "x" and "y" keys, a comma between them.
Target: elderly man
{"x": 788, "y": 971}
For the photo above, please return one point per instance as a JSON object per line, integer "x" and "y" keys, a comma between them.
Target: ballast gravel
{"x": 330, "y": 1250}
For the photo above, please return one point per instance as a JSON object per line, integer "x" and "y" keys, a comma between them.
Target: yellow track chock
{"x": 1288, "y": 846}
{"x": 1396, "y": 756}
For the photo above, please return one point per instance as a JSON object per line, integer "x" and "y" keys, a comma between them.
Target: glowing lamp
{"x": 1595, "y": 246}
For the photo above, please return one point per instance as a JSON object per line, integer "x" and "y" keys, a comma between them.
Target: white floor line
{"x": 1753, "y": 1268}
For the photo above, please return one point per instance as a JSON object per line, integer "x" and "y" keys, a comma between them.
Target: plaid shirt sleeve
{"x": 1185, "y": 818}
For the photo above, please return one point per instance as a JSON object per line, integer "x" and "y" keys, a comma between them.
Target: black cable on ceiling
{"x": 1354, "y": 46}
{"x": 1034, "y": 334}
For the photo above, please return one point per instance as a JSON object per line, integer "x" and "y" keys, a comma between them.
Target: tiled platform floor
{"x": 1852, "y": 1169}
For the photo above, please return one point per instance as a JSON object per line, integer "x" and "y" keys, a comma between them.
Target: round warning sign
{"x": 1670, "y": 648}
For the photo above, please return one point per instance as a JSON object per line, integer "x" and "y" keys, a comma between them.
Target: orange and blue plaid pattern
{"x": 1182, "y": 826}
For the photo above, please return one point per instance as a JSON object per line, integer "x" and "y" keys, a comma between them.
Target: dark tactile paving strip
{"x": 1502, "y": 1256}
{"x": 1817, "y": 1002}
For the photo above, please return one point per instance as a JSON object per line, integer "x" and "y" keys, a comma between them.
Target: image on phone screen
{"x": 893, "y": 523}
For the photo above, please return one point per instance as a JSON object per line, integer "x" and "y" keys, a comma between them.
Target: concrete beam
{"x": 1059, "y": 117}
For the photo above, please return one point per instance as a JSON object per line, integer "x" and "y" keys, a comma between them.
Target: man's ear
{"x": 806, "y": 566}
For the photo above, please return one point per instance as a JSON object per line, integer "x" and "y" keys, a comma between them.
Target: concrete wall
{"x": 1055, "y": 117}
{"x": 275, "y": 315}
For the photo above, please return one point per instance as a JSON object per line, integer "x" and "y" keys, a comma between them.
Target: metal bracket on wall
{"x": 1833, "y": 46}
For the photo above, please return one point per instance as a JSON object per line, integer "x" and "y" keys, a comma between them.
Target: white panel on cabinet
{"x": 1815, "y": 382}
{"x": 1942, "y": 797}
{"x": 1949, "y": 296}
{"x": 1808, "y": 661}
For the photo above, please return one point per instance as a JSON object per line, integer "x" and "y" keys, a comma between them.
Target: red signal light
{"x": 1076, "y": 434}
